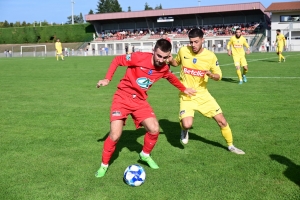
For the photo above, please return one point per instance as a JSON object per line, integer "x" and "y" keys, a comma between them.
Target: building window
{"x": 289, "y": 18}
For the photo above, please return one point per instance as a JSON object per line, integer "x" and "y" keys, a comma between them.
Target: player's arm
{"x": 172, "y": 61}
{"x": 123, "y": 60}
{"x": 175, "y": 81}
{"x": 247, "y": 46}
{"x": 228, "y": 47}
{"x": 175, "y": 61}
{"x": 284, "y": 42}
{"x": 215, "y": 73}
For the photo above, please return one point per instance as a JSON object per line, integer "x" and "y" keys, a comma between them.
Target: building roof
{"x": 284, "y": 6}
{"x": 177, "y": 11}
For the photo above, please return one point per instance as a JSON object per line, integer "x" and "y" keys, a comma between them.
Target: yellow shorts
{"x": 58, "y": 52}
{"x": 239, "y": 61}
{"x": 279, "y": 49}
{"x": 207, "y": 106}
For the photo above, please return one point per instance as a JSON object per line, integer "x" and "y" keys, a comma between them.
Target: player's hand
{"x": 208, "y": 73}
{"x": 168, "y": 59}
{"x": 229, "y": 53}
{"x": 190, "y": 91}
{"x": 103, "y": 82}
{"x": 248, "y": 51}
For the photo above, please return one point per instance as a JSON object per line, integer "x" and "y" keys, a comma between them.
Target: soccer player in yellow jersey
{"x": 197, "y": 66}
{"x": 281, "y": 42}
{"x": 237, "y": 43}
{"x": 58, "y": 48}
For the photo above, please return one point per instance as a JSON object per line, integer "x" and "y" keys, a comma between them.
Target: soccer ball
{"x": 134, "y": 175}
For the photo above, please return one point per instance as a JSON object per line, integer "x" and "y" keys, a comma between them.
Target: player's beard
{"x": 197, "y": 50}
{"x": 157, "y": 63}
{"x": 237, "y": 36}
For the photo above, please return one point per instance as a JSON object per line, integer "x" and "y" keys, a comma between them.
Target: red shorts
{"x": 124, "y": 104}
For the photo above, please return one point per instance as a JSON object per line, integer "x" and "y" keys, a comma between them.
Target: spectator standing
{"x": 219, "y": 47}
{"x": 267, "y": 45}
{"x": 273, "y": 46}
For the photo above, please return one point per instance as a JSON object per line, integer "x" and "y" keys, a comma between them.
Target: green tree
{"x": 5, "y": 24}
{"x": 81, "y": 20}
{"x": 91, "y": 12}
{"x": 17, "y": 24}
{"x": 158, "y": 7}
{"x": 147, "y": 7}
{"x": 24, "y": 24}
{"x": 108, "y": 6}
{"x": 78, "y": 19}
{"x": 129, "y": 9}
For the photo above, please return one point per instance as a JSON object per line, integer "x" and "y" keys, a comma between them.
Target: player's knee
{"x": 237, "y": 67}
{"x": 222, "y": 123}
{"x": 114, "y": 138}
{"x": 187, "y": 125}
{"x": 153, "y": 130}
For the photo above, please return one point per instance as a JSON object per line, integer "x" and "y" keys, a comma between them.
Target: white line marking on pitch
{"x": 253, "y": 60}
{"x": 268, "y": 77}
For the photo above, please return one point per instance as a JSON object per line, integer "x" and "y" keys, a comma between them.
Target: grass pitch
{"x": 54, "y": 121}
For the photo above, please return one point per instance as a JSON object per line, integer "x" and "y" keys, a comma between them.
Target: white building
{"x": 286, "y": 17}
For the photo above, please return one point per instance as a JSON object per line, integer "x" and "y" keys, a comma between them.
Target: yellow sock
{"x": 226, "y": 132}
{"x": 56, "y": 57}
{"x": 238, "y": 72}
{"x": 62, "y": 57}
{"x": 282, "y": 56}
{"x": 279, "y": 55}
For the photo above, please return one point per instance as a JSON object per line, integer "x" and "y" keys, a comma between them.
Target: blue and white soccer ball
{"x": 134, "y": 175}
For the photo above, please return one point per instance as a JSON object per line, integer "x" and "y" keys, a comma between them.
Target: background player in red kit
{"x": 143, "y": 70}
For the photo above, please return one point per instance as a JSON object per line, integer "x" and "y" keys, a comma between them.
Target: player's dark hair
{"x": 196, "y": 32}
{"x": 238, "y": 29}
{"x": 278, "y": 30}
{"x": 164, "y": 45}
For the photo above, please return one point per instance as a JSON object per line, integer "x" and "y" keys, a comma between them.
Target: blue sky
{"x": 58, "y": 10}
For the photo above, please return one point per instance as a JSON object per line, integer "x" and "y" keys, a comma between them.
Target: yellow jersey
{"x": 237, "y": 45}
{"x": 194, "y": 67}
{"x": 58, "y": 46}
{"x": 280, "y": 40}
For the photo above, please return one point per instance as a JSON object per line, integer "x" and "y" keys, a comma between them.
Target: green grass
{"x": 54, "y": 121}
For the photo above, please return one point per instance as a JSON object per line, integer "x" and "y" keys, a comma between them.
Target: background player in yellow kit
{"x": 58, "y": 48}
{"x": 235, "y": 47}
{"x": 281, "y": 42}
{"x": 197, "y": 66}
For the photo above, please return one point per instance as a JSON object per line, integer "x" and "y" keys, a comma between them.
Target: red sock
{"x": 149, "y": 142}
{"x": 108, "y": 150}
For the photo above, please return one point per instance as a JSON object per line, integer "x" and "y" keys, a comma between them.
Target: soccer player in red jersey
{"x": 143, "y": 70}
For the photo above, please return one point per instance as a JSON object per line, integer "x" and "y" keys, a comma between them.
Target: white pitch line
{"x": 259, "y": 77}
{"x": 269, "y": 77}
{"x": 254, "y": 60}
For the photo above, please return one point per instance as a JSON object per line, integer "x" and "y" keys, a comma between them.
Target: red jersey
{"x": 141, "y": 74}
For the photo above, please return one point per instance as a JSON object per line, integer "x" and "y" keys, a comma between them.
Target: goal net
{"x": 34, "y": 50}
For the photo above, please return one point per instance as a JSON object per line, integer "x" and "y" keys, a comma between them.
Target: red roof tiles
{"x": 284, "y": 6}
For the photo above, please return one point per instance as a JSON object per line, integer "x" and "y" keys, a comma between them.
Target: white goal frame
{"x": 34, "y": 53}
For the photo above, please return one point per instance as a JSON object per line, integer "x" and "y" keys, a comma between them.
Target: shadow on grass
{"x": 269, "y": 61}
{"x": 292, "y": 172}
{"x": 230, "y": 80}
{"x": 127, "y": 140}
{"x": 172, "y": 133}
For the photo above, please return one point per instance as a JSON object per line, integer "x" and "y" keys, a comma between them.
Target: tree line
{"x": 103, "y": 6}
